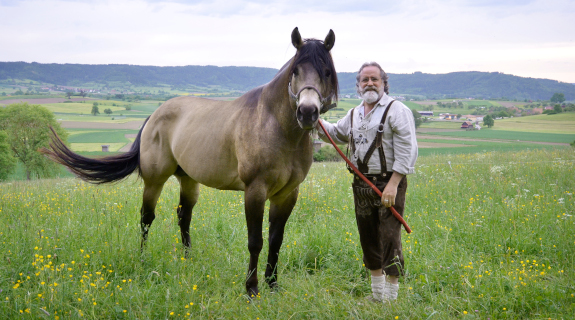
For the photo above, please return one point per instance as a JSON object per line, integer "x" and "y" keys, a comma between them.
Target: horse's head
{"x": 313, "y": 80}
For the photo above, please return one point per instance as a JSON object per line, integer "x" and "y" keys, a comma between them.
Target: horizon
{"x": 529, "y": 39}
{"x": 190, "y": 65}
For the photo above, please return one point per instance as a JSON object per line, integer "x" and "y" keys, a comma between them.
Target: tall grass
{"x": 493, "y": 238}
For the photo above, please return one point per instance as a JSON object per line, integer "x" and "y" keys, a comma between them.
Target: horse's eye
{"x": 327, "y": 73}
{"x": 296, "y": 72}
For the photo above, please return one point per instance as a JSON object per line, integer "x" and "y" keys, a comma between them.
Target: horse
{"x": 259, "y": 143}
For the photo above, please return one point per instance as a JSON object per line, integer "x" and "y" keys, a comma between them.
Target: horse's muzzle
{"x": 307, "y": 116}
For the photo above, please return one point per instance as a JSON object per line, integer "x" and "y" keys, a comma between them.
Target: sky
{"x": 524, "y": 38}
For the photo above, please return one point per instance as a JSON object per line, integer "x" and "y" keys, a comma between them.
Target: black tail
{"x": 97, "y": 171}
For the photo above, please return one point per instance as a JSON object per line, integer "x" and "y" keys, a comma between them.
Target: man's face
{"x": 370, "y": 84}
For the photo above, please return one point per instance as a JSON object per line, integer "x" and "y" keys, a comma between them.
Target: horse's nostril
{"x": 315, "y": 116}
{"x": 299, "y": 114}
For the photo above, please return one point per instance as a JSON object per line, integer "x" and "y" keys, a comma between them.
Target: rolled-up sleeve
{"x": 339, "y": 132}
{"x": 404, "y": 141}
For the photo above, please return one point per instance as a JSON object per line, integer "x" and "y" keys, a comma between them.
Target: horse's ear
{"x": 329, "y": 40}
{"x": 296, "y": 38}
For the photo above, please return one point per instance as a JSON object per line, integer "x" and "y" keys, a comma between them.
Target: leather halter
{"x": 323, "y": 108}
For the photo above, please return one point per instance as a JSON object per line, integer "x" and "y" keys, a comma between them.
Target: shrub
{"x": 326, "y": 153}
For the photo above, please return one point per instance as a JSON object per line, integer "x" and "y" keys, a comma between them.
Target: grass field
{"x": 494, "y": 237}
{"x": 481, "y": 147}
{"x": 92, "y": 147}
{"x": 487, "y": 133}
{"x": 126, "y": 117}
{"x": 561, "y": 123}
{"x": 99, "y": 136}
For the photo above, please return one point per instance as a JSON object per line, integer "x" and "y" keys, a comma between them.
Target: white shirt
{"x": 399, "y": 142}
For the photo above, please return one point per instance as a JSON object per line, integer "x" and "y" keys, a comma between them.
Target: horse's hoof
{"x": 273, "y": 285}
{"x": 253, "y": 292}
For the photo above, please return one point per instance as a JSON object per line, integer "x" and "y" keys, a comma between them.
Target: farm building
{"x": 466, "y": 125}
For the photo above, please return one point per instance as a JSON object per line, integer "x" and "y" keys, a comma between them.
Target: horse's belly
{"x": 213, "y": 174}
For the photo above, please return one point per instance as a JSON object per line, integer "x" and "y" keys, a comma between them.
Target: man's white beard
{"x": 370, "y": 96}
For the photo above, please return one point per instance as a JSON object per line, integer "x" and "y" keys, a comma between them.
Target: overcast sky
{"x": 525, "y": 38}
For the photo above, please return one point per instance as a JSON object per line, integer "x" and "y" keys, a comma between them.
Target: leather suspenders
{"x": 377, "y": 143}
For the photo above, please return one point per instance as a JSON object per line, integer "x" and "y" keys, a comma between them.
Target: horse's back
{"x": 194, "y": 134}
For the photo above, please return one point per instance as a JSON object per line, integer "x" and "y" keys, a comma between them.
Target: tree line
{"x": 488, "y": 85}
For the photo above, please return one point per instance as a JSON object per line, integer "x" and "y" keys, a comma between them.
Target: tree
{"x": 558, "y": 97}
{"x": 108, "y": 111}
{"x": 488, "y": 121}
{"x": 7, "y": 160}
{"x": 95, "y": 109}
{"x": 28, "y": 129}
{"x": 69, "y": 93}
{"x": 416, "y": 118}
{"x": 83, "y": 93}
{"x": 557, "y": 108}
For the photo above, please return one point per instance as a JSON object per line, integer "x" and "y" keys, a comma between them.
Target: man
{"x": 381, "y": 136}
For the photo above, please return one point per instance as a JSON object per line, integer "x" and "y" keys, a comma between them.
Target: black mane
{"x": 314, "y": 51}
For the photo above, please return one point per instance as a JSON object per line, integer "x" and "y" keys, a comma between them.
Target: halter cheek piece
{"x": 323, "y": 109}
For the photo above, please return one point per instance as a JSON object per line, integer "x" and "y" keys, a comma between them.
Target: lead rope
{"x": 393, "y": 211}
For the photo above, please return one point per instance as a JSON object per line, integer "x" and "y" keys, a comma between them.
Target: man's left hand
{"x": 390, "y": 190}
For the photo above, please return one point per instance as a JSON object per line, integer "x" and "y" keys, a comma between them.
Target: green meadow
{"x": 487, "y": 133}
{"x": 493, "y": 238}
{"x": 479, "y": 147}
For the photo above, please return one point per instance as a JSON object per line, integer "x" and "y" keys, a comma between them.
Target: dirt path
{"x": 127, "y": 147}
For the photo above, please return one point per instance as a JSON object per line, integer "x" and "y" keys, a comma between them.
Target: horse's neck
{"x": 276, "y": 102}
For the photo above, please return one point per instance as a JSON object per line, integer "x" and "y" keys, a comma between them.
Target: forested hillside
{"x": 456, "y": 84}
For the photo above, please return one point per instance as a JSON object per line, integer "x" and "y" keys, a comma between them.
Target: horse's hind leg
{"x": 150, "y": 197}
{"x": 280, "y": 210}
{"x": 189, "y": 192}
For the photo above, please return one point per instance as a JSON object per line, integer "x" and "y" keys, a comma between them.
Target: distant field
{"x": 443, "y": 124}
{"x": 99, "y": 136}
{"x": 481, "y": 147}
{"x": 555, "y": 123}
{"x": 509, "y": 135}
{"x": 80, "y": 108}
{"x": 91, "y": 147}
{"x": 100, "y": 118}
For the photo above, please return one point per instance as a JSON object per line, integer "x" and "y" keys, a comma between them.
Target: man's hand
{"x": 390, "y": 190}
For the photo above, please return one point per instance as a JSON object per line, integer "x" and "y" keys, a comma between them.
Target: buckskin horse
{"x": 259, "y": 143}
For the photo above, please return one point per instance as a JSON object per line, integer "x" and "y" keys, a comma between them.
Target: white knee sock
{"x": 390, "y": 291}
{"x": 378, "y": 287}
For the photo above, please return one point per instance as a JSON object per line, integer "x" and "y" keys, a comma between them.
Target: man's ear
{"x": 296, "y": 38}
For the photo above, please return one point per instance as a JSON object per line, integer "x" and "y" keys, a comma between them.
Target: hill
{"x": 489, "y": 85}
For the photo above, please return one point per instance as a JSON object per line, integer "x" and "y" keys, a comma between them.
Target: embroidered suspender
{"x": 376, "y": 144}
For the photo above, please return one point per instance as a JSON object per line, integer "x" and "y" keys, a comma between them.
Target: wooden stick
{"x": 393, "y": 211}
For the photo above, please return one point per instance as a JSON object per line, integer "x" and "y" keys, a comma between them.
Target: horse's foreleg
{"x": 189, "y": 192}
{"x": 280, "y": 210}
{"x": 255, "y": 199}
{"x": 150, "y": 198}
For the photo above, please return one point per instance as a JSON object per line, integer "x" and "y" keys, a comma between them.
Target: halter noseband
{"x": 323, "y": 108}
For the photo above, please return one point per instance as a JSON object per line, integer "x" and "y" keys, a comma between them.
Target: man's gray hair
{"x": 383, "y": 76}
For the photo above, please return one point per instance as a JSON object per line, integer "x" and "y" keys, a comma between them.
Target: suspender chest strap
{"x": 376, "y": 144}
